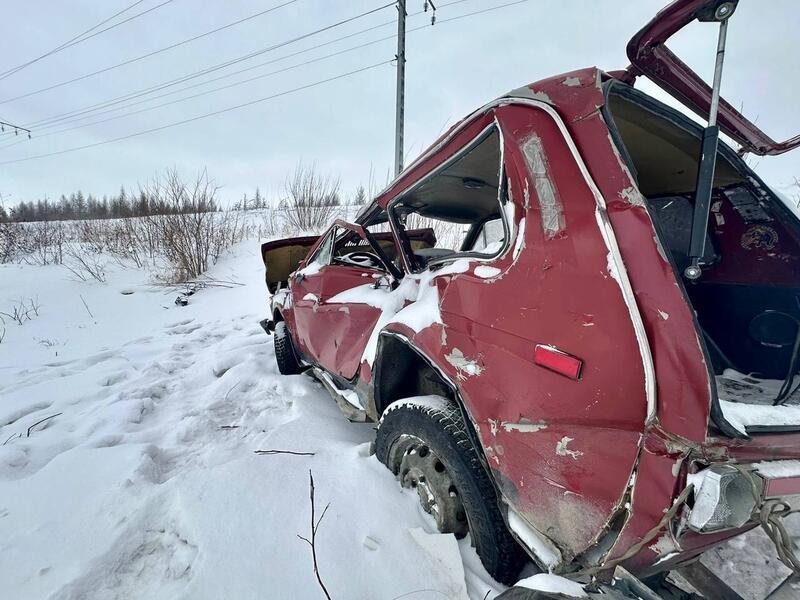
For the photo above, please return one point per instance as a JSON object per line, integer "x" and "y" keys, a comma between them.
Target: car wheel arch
{"x": 403, "y": 351}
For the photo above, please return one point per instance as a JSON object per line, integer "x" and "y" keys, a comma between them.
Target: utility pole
{"x": 400, "y": 108}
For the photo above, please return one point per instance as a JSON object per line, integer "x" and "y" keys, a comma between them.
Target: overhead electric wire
{"x": 203, "y": 116}
{"x": 73, "y": 116}
{"x": 68, "y": 116}
{"x": 94, "y": 114}
{"x": 149, "y": 54}
{"x": 193, "y": 96}
{"x": 80, "y": 37}
{"x": 450, "y": 19}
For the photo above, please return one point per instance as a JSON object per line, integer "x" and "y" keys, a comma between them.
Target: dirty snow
{"x": 146, "y": 484}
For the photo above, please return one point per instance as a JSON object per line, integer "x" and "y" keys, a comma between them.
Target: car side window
{"x": 322, "y": 255}
{"x": 461, "y": 204}
{"x": 490, "y": 237}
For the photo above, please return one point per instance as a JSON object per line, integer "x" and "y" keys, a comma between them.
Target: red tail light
{"x": 558, "y": 361}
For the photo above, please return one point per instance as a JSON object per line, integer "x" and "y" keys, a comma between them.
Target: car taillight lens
{"x": 723, "y": 498}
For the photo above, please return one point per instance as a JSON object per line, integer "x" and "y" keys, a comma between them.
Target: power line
{"x": 73, "y": 116}
{"x": 211, "y": 91}
{"x": 204, "y": 93}
{"x": 149, "y": 54}
{"x": 47, "y": 122}
{"x": 16, "y": 128}
{"x": 199, "y": 117}
{"x": 450, "y": 19}
{"x": 77, "y": 39}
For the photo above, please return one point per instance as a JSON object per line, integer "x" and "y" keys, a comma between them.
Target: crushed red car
{"x": 519, "y": 313}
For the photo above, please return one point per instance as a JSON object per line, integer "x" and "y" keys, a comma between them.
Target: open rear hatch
{"x": 649, "y": 56}
{"x": 732, "y": 242}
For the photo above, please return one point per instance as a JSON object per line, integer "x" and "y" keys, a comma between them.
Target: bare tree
{"x": 312, "y": 199}
{"x": 193, "y": 234}
{"x": 360, "y": 197}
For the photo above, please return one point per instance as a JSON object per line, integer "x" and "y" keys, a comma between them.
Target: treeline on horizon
{"x": 77, "y": 207}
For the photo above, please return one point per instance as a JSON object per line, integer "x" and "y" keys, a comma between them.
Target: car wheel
{"x": 424, "y": 442}
{"x": 285, "y": 355}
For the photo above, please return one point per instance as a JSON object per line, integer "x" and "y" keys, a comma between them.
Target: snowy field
{"x": 147, "y": 484}
{"x": 128, "y": 468}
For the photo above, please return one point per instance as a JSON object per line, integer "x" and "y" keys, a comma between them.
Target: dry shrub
{"x": 10, "y": 237}
{"x": 194, "y": 235}
{"x": 85, "y": 262}
{"x": 24, "y": 309}
{"x": 312, "y": 200}
{"x": 42, "y": 243}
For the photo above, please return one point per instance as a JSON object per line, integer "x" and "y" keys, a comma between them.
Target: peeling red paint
{"x": 566, "y": 454}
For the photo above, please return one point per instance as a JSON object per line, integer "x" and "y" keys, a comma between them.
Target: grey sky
{"x": 345, "y": 126}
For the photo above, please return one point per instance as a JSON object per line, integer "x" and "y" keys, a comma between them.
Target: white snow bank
{"x": 147, "y": 484}
{"x": 553, "y": 584}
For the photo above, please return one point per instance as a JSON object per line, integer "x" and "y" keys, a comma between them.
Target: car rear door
{"x": 544, "y": 348}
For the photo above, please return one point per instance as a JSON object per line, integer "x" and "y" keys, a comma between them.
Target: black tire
{"x": 438, "y": 422}
{"x": 285, "y": 354}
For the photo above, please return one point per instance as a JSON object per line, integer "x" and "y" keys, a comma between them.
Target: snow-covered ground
{"x": 128, "y": 467}
{"x": 147, "y": 485}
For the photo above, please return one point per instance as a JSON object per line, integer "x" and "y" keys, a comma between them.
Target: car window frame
{"x": 503, "y": 200}
{"x": 313, "y": 257}
{"x": 341, "y": 263}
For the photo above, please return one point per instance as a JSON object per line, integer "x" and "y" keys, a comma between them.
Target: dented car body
{"x": 597, "y": 382}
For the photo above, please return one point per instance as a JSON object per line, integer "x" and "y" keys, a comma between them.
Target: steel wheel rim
{"x": 419, "y": 468}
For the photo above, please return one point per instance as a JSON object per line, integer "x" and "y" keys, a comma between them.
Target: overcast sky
{"x": 345, "y": 126}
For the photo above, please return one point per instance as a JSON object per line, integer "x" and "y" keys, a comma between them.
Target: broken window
{"x": 461, "y": 203}
{"x": 322, "y": 255}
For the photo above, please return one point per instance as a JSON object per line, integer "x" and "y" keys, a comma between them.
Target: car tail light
{"x": 558, "y": 361}
{"x": 724, "y": 498}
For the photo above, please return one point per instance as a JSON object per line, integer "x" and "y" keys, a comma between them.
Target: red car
{"x": 570, "y": 352}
